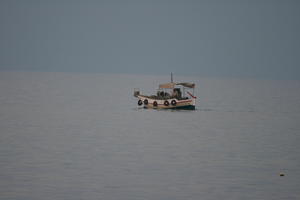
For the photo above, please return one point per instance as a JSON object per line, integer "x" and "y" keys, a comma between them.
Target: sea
{"x": 74, "y": 136}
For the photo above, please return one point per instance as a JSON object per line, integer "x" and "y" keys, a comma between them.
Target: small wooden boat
{"x": 169, "y": 96}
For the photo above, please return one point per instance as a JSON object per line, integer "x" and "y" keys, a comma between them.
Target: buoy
{"x": 166, "y": 103}
{"x": 140, "y": 102}
{"x": 173, "y": 102}
{"x": 146, "y": 101}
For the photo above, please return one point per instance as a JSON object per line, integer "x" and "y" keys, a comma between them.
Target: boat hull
{"x": 184, "y": 104}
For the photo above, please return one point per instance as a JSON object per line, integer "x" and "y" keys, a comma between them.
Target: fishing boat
{"x": 169, "y": 96}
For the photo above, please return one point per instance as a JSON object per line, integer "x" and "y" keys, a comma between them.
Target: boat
{"x": 169, "y": 96}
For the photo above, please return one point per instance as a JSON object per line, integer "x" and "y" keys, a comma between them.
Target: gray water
{"x": 81, "y": 136}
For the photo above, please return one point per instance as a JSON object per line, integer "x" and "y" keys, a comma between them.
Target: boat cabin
{"x": 179, "y": 91}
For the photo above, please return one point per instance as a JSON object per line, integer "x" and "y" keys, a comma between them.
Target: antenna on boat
{"x": 171, "y": 77}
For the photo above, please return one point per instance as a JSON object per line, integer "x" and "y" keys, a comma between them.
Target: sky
{"x": 209, "y": 38}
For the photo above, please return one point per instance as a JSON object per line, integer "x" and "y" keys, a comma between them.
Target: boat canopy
{"x": 189, "y": 85}
{"x": 167, "y": 85}
{"x": 172, "y": 85}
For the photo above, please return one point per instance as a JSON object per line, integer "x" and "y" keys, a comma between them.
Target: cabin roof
{"x": 172, "y": 85}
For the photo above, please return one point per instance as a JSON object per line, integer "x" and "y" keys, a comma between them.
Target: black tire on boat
{"x": 166, "y": 103}
{"x": 155, "y": 104}
{"x": 140, "y": 102}
{"x": 173, "y": 102}
{"x": 146, "y": 101}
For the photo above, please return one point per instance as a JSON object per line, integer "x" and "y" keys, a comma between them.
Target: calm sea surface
{"x": 81, "y": 136}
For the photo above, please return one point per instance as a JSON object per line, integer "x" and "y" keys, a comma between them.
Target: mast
{"x": 171, "y": 77}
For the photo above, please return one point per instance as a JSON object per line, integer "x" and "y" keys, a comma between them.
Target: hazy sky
{"x": 227, "y": 38}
